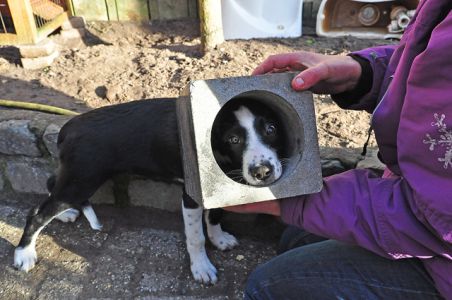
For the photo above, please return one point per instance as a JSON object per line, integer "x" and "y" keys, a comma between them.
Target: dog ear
{"x": 222, "y": 160}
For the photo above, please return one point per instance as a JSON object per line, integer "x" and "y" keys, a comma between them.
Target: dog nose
{"x": 262, "y": 171}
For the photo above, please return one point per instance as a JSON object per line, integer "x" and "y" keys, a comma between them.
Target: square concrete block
{"x": 39, "y": 62}
{"x": 73, "y": 22}
{"x": 43, "y": 48}
{"x": 197, "y": 109}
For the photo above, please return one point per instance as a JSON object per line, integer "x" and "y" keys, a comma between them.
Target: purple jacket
{"x": 408, "y": 212}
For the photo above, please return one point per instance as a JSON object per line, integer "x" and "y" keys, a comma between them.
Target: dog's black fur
{"x": 139, "y": 137}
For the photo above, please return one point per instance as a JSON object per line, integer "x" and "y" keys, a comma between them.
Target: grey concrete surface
{"x": 140, "y": 254}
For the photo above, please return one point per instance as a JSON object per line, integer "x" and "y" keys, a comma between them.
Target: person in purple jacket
{"x": 386, "y": 237}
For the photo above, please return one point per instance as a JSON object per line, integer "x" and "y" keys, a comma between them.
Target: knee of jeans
{"x": 294, "y": 237}
{"x": 252, "y": 284}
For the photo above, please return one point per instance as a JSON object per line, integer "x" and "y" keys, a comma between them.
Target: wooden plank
{"x": 23, "y": 21}
{"x": 92, "y": 10}
{"x": 9, "y": 39}
{"x": 50, "y": 27}
{"x": 132, "y": 10}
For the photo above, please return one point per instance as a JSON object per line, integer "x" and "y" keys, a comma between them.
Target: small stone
{"x": 74, "y": 22}
{"x": 17, "y": 139}
{"x": 50, "y": 138}
{"x": 239, "y": 257}
{"x": 28, "y": 176}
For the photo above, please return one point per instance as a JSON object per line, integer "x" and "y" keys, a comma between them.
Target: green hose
{"x": 38, "y": 107}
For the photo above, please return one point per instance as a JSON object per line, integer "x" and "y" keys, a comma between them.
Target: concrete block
{"x": 155, "y": 194}
{"x": 39, "y": 62}
{"x": 74, "y": 33}
{"x": 43, "y": 48}
{"x": 73, "y": 22}
{"x": 104, "y": 194}
{"x": 199, "y": 105}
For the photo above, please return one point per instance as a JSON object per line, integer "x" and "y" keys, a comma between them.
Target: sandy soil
{"x": 121, "y": 62}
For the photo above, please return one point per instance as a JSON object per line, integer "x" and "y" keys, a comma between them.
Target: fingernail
{"x": 298, "y": 82}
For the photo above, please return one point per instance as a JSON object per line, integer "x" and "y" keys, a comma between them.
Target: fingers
{"x": 280, "y": 61}
{"x": 310, "y": 77}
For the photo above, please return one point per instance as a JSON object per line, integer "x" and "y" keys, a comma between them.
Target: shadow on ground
{"x": 139, "y": 253}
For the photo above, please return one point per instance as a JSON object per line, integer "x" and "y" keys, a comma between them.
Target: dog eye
{"x": 234, "y": 140}
{"x": 270, "y": 129}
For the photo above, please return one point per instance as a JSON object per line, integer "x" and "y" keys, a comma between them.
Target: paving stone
{"x": 331, "y": 167}
{"x": 50, "y": 138}
{"x": 104, "y": 195}
{"x": 155, "y": 194}
{"x": 29, "y": 176}
{"x": 43, "y": 48}
{"x": 371, "y": 161}
{"x": 39, "y": 62}
{"x": 17, "y": 139}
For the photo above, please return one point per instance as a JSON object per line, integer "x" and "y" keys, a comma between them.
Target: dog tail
{"x": 51, "y": 182}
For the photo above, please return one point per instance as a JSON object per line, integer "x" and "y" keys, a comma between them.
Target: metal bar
{"x": 3, "y": 23}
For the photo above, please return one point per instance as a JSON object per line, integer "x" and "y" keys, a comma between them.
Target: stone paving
{"x": 140, "y": 253}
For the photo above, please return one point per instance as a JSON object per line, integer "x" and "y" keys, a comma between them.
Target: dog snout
{"x": 261, "y": 171}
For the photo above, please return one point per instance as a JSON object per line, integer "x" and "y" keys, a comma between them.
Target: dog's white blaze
{"x": 221, "y": 239}
{"x": 89, "y": 213}
{"x": 200, "y": 265}
{"x": 255, "y": 150}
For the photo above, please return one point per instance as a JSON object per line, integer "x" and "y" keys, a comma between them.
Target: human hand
{"x": 270, "y": 207}
{"x": 322, "y": 74}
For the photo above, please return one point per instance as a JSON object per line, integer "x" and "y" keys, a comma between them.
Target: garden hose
{"x": 37, "y": 107}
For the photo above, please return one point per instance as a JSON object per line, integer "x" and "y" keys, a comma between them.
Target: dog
{"x": 141, "y": 137}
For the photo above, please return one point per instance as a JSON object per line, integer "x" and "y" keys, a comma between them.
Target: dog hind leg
{"x": 69, "y": 215}
{"x": 200, "y": 265}
{"x": 221, "y": 239}
{"x": 90, "y": 215}
{"x": 25, "y": 255}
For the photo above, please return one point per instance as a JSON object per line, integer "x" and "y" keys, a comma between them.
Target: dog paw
{"x": 223, "y": 240}
{"x": 96, "y": 226}
{"x": 69, "y": 215}
{"x": 203, "y": 271}
{"x": 25, "y": 258}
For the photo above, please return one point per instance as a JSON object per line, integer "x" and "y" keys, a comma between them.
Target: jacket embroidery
{"x": 444, "y": 140}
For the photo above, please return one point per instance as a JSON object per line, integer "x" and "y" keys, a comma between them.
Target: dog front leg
{"x": 200, "y": 265}
{"x": 221, "y": 239}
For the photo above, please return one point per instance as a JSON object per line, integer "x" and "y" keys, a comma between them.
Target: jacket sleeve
{"x": 377, "y": 60}
{"x": 373, "y": 212}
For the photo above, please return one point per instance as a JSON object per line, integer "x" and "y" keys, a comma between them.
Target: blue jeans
{"x": 316, "y": 268}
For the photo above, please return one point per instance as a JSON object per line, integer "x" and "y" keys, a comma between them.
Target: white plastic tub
{"x": 247, "y": 19}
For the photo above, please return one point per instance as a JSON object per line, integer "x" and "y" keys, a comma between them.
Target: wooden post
{"x": 211, "y": 23}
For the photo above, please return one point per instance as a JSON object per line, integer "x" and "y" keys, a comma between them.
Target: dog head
{"x": 248, "y": 141}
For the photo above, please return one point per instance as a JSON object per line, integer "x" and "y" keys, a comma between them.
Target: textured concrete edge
{"x": 207, "y": 97}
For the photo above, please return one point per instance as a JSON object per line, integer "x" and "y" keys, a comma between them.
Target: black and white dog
{"x": 141, "y": 138}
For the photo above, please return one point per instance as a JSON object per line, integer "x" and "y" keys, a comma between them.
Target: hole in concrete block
{"x": 228, "y": 145}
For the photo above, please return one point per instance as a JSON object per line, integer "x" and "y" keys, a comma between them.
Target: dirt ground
{"x": 121, "y": 62}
